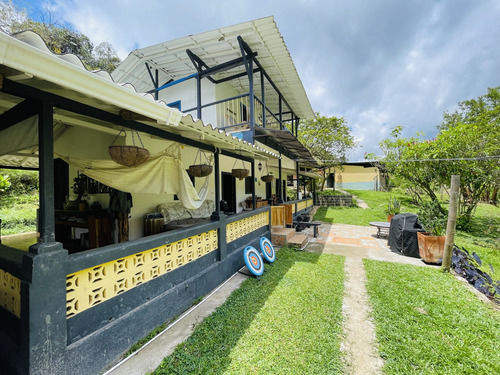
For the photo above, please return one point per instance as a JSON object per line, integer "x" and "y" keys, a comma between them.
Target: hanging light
{"x": 259, "y": 166}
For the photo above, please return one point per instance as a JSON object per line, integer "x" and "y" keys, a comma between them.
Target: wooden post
{"x": 452, "y": 221}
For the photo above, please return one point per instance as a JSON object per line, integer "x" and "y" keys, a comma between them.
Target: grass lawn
{"x": 427, "y": 323}
{"x": 288, "y": 322}
{"x": 18, "y": 214}
{"x": 377, "y": 211}
{"x": 484, "y": 237}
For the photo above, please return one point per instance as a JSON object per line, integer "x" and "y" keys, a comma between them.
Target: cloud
{"x": 378, "y": 64}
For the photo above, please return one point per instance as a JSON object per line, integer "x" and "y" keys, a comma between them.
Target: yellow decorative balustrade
{"x": 94, "y": 285}
{"x": 301, "y": 206}
{"x": 242, "y": 227}
{"x": 10, "y": 293}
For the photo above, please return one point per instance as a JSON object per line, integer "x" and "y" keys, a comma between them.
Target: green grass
{"x": 377, "y": 202}
{"x": 18, "y": 213}
{"x": 483, "y": 238}
{"x": 427, "y": 323}
{"x": 287, "y": 322}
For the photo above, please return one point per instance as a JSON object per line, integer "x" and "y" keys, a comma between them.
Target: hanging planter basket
{"x": 201, "y": 169}
{"x": 129, "y": 156}
{"x": 240, "y": 173}
{"x": 267, "y": 178}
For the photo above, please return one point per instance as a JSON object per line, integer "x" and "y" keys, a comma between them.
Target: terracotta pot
{"x": 389, "y": 218}
{"x": 431, "y": 248}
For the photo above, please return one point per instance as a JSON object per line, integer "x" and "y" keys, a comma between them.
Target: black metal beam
{"x": 28, "y": 92}
{"x": 198, "y": 64}
{"x": 239, "y": 75}
{"x": 18, "y": 113}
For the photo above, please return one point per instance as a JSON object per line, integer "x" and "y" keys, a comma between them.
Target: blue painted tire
{"x": 267, "y": 249}
{"x": 253, "y": 260}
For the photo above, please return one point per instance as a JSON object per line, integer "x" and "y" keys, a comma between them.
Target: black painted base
{"x": 99, "y": 350}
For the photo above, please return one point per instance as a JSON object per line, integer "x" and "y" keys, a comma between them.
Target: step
{"x": 281, "y": 236}
{"x": 300, "y": 240}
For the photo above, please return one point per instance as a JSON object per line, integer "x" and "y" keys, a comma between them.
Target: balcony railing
{"x": 233, "y": 115}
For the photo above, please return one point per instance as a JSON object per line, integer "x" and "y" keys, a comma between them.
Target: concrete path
{"x": 149, "y": 357}
{"x": 357, "y": 243}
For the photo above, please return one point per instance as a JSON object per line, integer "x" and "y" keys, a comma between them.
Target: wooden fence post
{"x": 452, "y": 222}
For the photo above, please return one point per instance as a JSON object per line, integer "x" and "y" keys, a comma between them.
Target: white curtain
{"x": 161, "y": 174}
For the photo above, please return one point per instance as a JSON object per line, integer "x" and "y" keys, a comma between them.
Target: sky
{"x": 378, "y": 63}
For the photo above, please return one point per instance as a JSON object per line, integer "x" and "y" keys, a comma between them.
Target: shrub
{"x": 21, "y": 182}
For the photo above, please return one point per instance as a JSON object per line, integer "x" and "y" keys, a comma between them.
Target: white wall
{"x": 186, "y": 93}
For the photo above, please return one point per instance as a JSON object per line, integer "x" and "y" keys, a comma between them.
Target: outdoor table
{"x": 382, "y": 226}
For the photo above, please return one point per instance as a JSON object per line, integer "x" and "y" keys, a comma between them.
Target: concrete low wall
{"x": 334, "y": 200}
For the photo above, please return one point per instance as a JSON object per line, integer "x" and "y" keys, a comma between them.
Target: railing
{"x": 233, "y": 114}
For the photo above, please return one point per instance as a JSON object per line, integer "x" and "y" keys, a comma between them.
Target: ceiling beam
{"x": 18, "y": 113}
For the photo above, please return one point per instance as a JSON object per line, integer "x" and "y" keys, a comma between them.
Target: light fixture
{"x": 259, "y": 166}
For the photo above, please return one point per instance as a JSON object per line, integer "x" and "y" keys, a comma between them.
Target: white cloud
{"x": 378, "y": 64}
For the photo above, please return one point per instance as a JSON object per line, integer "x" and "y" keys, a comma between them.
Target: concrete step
{"x": 300, "y": 240}
{"x": 281, "y": 236}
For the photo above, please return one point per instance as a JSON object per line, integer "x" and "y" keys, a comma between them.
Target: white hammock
{"x": 161, "y": 174}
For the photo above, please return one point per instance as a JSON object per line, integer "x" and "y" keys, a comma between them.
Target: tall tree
{"x": 59, "y": 39}
{"x": 467, "y": 144}
{"x": 329, "y": 139}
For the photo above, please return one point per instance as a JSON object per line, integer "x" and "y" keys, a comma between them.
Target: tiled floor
{"x": 354, "y": 241}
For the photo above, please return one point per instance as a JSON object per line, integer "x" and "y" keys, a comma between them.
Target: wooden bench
{"x": 308, "y": 224}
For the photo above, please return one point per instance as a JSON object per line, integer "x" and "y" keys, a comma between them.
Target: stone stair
{"x": 283, "y": 236}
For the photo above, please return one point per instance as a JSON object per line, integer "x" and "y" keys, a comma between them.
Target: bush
{"x": 21, "y": 182}
{"x": 329, "y": 192}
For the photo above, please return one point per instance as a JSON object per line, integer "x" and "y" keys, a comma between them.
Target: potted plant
{"x": 393, "y": 208}
{"x": 431, "y": 242}
{"x": 80, "y": 189}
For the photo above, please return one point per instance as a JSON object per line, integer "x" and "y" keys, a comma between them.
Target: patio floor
{"x": 354, "y": 241}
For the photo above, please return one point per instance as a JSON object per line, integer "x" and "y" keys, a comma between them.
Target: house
{"x": 365, "y": 175}
{"x": 97, "y": 282}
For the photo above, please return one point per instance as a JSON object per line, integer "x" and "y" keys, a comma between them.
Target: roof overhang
{"x": 27, "y": 65}
{"x": 217, "y": 47}
{"x": 285, "y": 142}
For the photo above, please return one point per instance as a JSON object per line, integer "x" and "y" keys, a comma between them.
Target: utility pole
{"x": 452, "y": 222}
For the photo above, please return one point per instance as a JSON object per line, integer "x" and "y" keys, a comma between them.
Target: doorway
{"x": 228, "y": 186}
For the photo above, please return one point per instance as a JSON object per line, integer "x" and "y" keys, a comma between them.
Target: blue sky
{"x": 377, "y": 63}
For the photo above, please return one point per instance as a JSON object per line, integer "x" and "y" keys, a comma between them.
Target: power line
{"x": 412, "y": 160}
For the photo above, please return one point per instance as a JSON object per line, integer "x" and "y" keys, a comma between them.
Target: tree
{"x": 329, "y": 139}
{"x": 466, "y": 145}
{"x": 60, "y": 39}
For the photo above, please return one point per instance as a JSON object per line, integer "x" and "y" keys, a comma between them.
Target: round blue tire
{"x": 267, "y": 249}
{"x": 253, "y": 260}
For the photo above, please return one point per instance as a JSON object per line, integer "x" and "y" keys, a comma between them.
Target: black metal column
{"x": 254, "y": 199}
{"x": 217, "y": 180}
{"x": 43, "y": 329}
{"x": 297, "y": 171}
{"x": 279, "y": 188}
{"x": 198, "y": 96}
{"x": 46, "y": 176}
{"x": 263, "y": 94}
